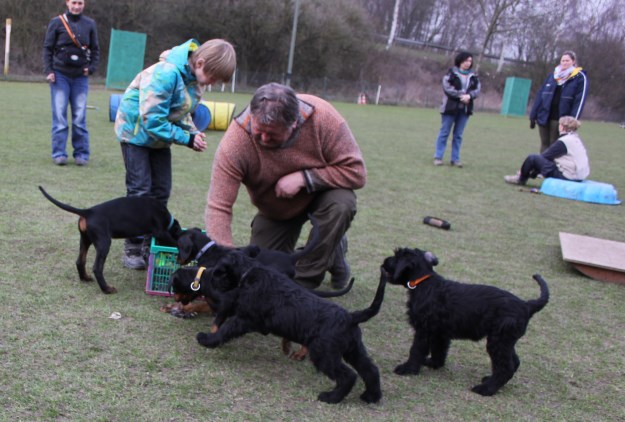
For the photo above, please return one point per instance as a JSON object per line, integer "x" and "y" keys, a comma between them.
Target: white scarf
{"x": 562, "y": 75}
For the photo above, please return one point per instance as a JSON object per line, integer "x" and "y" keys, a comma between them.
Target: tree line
{"x": 339, "y": 40}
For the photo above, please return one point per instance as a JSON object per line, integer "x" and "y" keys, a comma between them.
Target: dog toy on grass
{"x": 437, "y": 222}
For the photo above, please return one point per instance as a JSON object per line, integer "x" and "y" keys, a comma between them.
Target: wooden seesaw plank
{"x": 596, "y": 258}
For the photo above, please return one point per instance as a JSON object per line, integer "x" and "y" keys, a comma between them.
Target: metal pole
{"x": 292, "y": 49}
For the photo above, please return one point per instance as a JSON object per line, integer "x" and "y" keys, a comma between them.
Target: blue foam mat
{"x": 587, "y": 191}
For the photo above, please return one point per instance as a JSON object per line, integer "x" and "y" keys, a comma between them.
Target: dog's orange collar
{"x": 414, "y": 283}
{"x": 195, "y": 286}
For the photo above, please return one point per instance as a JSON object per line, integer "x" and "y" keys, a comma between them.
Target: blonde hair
{"x": 569, "y": 123}
{"x": 220, "y": 59}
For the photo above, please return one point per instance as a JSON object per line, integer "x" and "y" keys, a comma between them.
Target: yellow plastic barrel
{"x": 221, "y": 114}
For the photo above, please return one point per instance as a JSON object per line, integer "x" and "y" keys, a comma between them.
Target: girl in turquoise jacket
{"x": 155, "y": 112}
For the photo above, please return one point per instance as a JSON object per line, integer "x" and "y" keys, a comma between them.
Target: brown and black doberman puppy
{"x": 118, "y": 218}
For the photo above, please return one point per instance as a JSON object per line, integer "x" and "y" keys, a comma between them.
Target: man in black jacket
{"x": 70, "y": 54}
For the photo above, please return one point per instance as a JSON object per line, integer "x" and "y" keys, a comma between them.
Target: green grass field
{"x": 64, "y": 359}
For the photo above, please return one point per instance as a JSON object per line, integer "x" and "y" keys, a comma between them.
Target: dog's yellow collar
{"x": 412, "y": 284}
{"x": 195, "y": 286}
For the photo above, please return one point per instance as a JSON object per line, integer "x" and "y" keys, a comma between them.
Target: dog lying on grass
{"x": 442, "y": 310}
{"x": 118, "y": 218}
{"x": 268, "y": 302}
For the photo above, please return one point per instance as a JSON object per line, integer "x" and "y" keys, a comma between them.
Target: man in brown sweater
{"x": 296, "y": 155}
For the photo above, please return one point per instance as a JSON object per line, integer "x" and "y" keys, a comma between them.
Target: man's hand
{"x": 51, "y": 78}
{"x": 289, "y": 185}
{"x": 532, "y": 124}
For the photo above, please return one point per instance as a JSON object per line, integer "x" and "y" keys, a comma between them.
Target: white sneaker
{"x": 513, "y": 179}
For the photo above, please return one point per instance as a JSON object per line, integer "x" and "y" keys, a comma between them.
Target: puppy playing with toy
{"x": 191, "y": 283}
{"x": 441, "y": 310}
{"x": 268, "y": 302}
{"x": 118, "y": 218}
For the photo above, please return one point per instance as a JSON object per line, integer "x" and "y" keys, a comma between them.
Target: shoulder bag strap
{"x": 69, "y": 31}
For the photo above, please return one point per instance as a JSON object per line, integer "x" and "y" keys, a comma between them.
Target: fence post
{"x": 7, "y": 47}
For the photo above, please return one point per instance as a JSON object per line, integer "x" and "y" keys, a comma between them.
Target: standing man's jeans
{"x": 73, "y": 92}
{"x": 458, "y": 121}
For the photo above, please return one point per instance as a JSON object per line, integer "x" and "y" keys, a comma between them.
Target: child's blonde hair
{"x": 220, "y": 59}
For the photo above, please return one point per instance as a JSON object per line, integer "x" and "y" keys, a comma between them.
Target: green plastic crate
{"x": 161, "y": 265}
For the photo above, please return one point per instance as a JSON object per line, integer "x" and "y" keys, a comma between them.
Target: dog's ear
{"x": 403, "y": 271}
{"x": 175, "y": 230}
{"x": 252, "y": 251}
{"x": 431, "y": 258}
{"x": 185, "y": 248}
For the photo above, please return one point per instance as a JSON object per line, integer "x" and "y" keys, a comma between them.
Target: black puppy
{"x": 195, "y": 244}
{"x": 440, "y": 310}
{"x": 190, "y": 283}
{"x": 268, "y": 302}
{"x": 118, "y": 219}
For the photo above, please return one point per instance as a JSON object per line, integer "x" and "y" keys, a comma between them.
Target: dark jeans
{"x": 536, "y": 164}
{"x": 148, "y": 171}
{"x": 333, "y": 211}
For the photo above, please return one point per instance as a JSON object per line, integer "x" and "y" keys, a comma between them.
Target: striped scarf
{"x": 561, "y": 76}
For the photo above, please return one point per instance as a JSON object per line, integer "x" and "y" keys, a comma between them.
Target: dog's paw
{"x": 329, "y": 397}
{"x": 433, "y": 364}
{"x": 371, "y": 396}
{"x": 406, "y": 369}
{"x": 207, "y": 340}
{"x": 110, "y": 290}
{"x": 484, "y": 389}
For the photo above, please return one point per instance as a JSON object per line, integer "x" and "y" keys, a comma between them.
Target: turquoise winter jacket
{"x": 155, "y": 111}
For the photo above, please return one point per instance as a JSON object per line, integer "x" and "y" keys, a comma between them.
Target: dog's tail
{"x": 61, "y": 205}
{"x": 536, "y": 305}
{"x": 336, "y": 293}
{"x": 366, "y": 314}
{"x": 314, "y": 237}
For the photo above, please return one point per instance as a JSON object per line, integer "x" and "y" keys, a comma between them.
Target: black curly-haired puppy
{"x": 194, "y": 244}
{"x": 268, "y": 302}
{"x": 440, "y": 310}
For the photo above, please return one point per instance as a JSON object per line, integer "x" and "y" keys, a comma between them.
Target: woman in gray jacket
{"x": 461, "y": 86}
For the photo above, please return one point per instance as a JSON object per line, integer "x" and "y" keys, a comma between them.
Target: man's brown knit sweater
{"x": 322, "y": 146}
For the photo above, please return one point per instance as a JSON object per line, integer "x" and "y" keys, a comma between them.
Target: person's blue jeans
{"x": 148, "y": 171}
{"x": 459, "y": 122}
{"x": 70, "y": 91}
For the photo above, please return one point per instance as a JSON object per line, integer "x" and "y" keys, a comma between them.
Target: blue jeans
{"x": 148, "y": 171}
{"x": 458, "y": 121}
{"x": 69, "y": 91}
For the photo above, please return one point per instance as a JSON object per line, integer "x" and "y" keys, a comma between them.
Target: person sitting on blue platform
{"x": 564, "y": 159}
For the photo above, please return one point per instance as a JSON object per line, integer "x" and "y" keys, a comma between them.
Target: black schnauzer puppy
{"x": 268, "y": 302}
{"x": 196, "y": 245}
{"x": 440, "y": 310}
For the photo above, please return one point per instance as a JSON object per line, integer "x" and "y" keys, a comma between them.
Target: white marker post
{"x": 7, "y": 47}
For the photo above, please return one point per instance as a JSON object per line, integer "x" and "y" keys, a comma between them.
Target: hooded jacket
{"x": 572, "y": 97}
{"x": 155, "y": 111}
